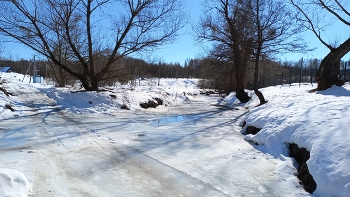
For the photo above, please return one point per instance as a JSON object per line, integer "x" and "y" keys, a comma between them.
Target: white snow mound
{"x": 13, "y": 183}
{"x": 318, "y": 122}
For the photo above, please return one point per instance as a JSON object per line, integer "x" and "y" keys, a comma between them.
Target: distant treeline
{"x": 214, "y": 73}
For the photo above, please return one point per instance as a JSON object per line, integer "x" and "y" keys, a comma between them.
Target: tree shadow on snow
{"x": 335, "y": 91}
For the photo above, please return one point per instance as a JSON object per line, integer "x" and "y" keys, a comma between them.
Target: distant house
{"x": 7, "y": 69}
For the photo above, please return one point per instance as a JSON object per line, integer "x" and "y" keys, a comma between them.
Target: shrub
{"x": 149, "y": 104}
{"x": 152, "y": 104}
{"x": 144, "y": 105}
{"x": 159, "y": 101}
{"x": 124, "y": 106}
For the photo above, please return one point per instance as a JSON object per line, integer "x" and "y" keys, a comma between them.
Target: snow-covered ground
{"x": 62, "y": 142}
{"x": 316, "y": 121}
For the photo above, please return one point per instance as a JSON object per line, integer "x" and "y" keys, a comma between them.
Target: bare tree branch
{"x": 44, "y": 25}
{"x": 312, "y": 26}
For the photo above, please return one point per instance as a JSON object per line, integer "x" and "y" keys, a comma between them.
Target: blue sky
{"x": 185, "y": 47}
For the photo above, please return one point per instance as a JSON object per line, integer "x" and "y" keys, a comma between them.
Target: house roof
{"x": 5, "y": 69}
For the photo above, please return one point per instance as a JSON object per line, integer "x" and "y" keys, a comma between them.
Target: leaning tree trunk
{"x": 328, "y": 72}
{"x": 241, "y": 95}
{"x": 255, "y": 87}
{"x": 256, "y": 78}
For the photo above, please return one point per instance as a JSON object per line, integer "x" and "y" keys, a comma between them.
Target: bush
{"x": 144, "y": 105}
{"x": 124, "y": 106}
{"x": 159, "y": 101}
{"x": 205, "y": 84}
{"x": 149, "y": 104}
{"x": 152, "y": 104}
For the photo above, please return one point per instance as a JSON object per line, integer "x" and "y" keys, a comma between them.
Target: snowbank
{"x": 318, "y": 122}
{"x": 13, "y": 183}
{"x": 108, "y": 101}
{"x": 111, "y": 99}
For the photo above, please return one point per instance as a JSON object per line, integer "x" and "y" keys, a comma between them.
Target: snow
{"x": 66, "y": 142}
{"x": 172, "y": 91}
{"x": 315, "y": 121}
{"x": 13, "y": 183}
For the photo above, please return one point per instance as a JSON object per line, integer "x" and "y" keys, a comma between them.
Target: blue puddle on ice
{"x": 169, "y": 120}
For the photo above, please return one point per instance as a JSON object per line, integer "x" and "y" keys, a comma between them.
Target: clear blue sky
{"x": 185, "y": 46}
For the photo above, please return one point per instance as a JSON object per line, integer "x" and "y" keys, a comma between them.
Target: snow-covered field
{"x": 63, "y": 142}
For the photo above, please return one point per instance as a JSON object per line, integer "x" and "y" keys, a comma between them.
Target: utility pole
{"x": 46, "y": 73}
{"x": 34, "y": 69}
{"x": 345, "y": 65}
{"x": 301, "y": 70}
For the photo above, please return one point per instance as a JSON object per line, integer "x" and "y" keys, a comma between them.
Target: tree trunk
{"x": 255, "y": 85}
{"x": 94, "y": 84}
{"x": 86, "y": 84}
{"x": 255, "y": 82}
{"x": 328, "y": 72}
{"x": 241, "y": 95}
{"x": 230, "y": 87}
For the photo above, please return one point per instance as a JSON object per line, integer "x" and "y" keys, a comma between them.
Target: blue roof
{"x": 5, "y": 69}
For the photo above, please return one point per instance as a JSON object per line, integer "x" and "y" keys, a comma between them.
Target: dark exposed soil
{"x": 301, "y": 155}
{"x": 252, "y": 130}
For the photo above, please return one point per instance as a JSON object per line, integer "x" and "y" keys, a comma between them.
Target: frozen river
{"x": 195, "y": 149}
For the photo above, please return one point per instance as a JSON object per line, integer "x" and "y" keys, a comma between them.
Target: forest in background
{"x": 131, "y": 70}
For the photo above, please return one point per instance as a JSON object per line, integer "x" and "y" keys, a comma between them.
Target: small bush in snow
{"x": 149, "y": 104}
{"x": 144, "y": 105}
{"x": 152, "y": 104}
{"x": 124, "y": 106}
{"x": 159, "y": 101}
{"x": 8, "y": 106}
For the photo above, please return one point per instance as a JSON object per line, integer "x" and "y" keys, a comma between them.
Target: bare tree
{"x": 275, "y": 31}
{"x": 313, "y": 16}
{"x": 224, "y": 24}
{"x": 245, "y": 31}
{"x": 90, "y": 30}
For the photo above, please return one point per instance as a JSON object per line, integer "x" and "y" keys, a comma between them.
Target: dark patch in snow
{"x": 159, "y": 101}
{"x": 8, "y": 106}
{"x": 243, "y": 124}
{"x": 124, "y": 106}
{"x": 252, "y": 130}
{"x": 5, "y": 92}
{"x": 301, "y": 155}
{"x": 149, "y": 104}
